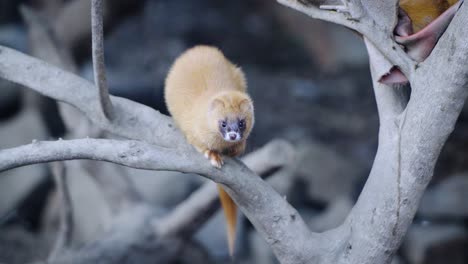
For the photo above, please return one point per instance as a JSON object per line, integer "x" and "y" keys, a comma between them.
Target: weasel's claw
{"x": 215, "y": 158}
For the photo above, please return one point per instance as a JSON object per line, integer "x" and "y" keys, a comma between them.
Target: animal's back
{"x": 194, "y": 78}
{"x": 202, "y": 87}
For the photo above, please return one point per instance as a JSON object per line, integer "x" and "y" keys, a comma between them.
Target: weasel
{"x": 207, "y": 96}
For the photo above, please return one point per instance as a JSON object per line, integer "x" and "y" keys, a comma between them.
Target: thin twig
{"x": 97, "y": 26}
{"x": 65, "y": 230}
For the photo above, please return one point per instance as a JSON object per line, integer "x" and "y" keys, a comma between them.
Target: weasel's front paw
{"x": 215, "y": 158}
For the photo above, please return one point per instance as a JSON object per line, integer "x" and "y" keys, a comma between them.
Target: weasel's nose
{"x": 232, "y": 136}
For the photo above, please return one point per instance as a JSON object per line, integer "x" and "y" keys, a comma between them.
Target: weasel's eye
{"x": 241, "y": 123}
{"x": 223, "y": 123}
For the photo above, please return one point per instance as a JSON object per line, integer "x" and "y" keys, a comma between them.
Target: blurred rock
{"x": 447, "y": 199}
{"x": 163, "y": 188}
{"x": 18, "y": 246}
{"x": 333, "y": 216}
{"x": 10, "y": 99}
{"x": 283, "y": 181}
{"x": 167, "y": 189}
{"x": 9, "y": 10}
{"x": 326, "y": 174}
{"x": 16, "y": 184}
{"x": 193, "y": 253}
{"x": 397, "y": 260}
{"x": 436, "y": 244}
{"x": 339, "y": 111}
{"x": 14, "y": 36}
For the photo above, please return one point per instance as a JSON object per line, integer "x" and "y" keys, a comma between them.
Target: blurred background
{"x": 310, "y": 83}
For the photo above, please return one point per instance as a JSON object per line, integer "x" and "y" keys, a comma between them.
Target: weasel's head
{"x": 231, "y": 114}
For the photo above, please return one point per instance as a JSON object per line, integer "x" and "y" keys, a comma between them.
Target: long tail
{"x": 230, "y": 212}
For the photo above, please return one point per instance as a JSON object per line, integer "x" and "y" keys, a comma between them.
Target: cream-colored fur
{"x": 203, "y": 88}
{"x": 198, "y": 77}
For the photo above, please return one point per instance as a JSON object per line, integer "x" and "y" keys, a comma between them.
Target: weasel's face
{"x": 232, "y": 129}
{"x": 231, "y": 116}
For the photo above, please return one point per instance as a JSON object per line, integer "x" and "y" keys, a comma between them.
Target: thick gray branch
{"x": 135, "y": 154}
{"x": 129, "y": 232}
{"x": 273, "y": 217}
{"x": 410, "y": 138}
{"x": 188, "y": 216}
{"x": 132, "y": 120}
{"x": 408, "y": 149}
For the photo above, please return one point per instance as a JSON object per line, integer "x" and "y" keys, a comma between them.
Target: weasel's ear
{"x": 246, "y": 105}
{"x": 216, "y": 104}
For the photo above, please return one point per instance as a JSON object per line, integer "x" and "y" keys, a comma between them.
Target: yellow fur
{"x": 197, "y": 77}
{"x": 422, "y": 12}
{"x": 202, "y": 88}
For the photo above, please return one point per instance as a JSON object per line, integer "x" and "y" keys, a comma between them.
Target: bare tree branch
{"x": 409, "y": 145}
{"x": 65, "y": 231}
{"x": 282, "y": 226}
{"x": 97, "y": 26}
{"x": 129, "y": 232}
{"x": 410, "y": 139}
{"x": 132, "y": 120}
{"x": 321, "y": 13}
{"x": 375, "y": 20}
{"x": 135, "y": 154}
{"x": 189, "y": 215}
{"x": 412, "y": 133}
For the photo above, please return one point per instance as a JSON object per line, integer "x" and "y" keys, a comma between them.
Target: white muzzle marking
{"x": 232, "y": 136}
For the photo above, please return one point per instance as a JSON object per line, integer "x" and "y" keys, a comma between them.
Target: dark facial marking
{"x": 241, "y": 124}
{"x": 235, "y": 125}
{"x": 222, "y": 126}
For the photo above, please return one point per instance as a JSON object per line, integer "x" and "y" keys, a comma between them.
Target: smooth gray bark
{"x": 412, "y": 133}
